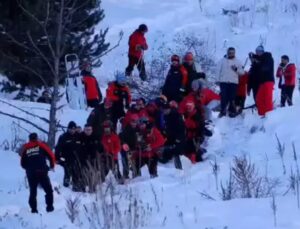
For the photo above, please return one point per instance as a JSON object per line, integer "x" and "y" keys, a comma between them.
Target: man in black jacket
{"x": 89, "y": 159}
{"x": 66, "y": 152}
{"x": 102, "y": 112}
{"x": 263, "y": 65}
{"x": 175, "y": 133}
{"x": 129, "y": 145}
{"x": 189, "y": 65}
{"x": 34, "y": 158}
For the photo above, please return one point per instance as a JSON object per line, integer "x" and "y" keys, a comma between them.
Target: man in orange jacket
{"x": 137, "y": 46}
{"x": 286, "y": 73}
{"x": 33, "y": 159}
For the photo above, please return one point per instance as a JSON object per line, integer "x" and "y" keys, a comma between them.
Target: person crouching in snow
{"x": 241, "y": 93}
{"x": 149, "y": 142}
{"x": 194, "y": 124}
{"x": 286, "y": 73}
{"x": 112, "y": 146}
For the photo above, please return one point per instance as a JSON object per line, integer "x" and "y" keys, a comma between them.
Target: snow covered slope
{"x": 188, "y": 199}
{"x": 274, "y": 23}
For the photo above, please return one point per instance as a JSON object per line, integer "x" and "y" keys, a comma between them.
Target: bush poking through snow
{"x": 72, "y": 207}
{"x": 281, "y": 151}
{"x": 245, "y": 181}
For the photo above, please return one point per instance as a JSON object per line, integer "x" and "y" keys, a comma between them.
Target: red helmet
{"x": 134, "y": 117}
{"x": 188, "y": 56}
{"x": 175, "y": 58}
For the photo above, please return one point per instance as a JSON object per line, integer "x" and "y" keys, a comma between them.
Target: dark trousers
{"x": 150, "y": 162}
{"x": 68, "y": 174}
{"x": 228, "y": 94}
{"x": 287, "y": 95}
{"x": 240, "y": 102}
{"x": 139, "y": 62}
{"x": 42, "y": 179}
{"x": 173, "y": 152}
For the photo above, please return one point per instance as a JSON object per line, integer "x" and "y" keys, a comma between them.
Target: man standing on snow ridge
{"x": 265, "y": 78}
{"x": 137, "y": 46}
{"x": 228, "y": 71}
{"x": 33, "y": 160}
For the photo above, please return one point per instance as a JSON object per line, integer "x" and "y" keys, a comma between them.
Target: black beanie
{"x": 72, "y": 125}
{"x": 143, "y": 27}
{"x": 33, "y": 137}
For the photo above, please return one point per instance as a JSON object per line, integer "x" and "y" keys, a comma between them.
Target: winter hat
{"x": 188, "y": 56}
{"x": 121, "y": 78}
{"x": 260, "y": 49}
{"x": 72, "y": 125}
{"x": 175, "y": 58}
{"x": 33, "y": 137}
{"x": 107, "y": 124}
{"x": 197, "y": 85}
{"x": 143, "y": 28}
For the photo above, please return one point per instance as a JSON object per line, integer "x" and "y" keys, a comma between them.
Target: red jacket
{"x": 34, "y": 155}
{"x": 242, "y": 86}
{"x": 126, "y": 120}
{"x": 206, "y": 96}
{"x": 155, "y": 140}
{"x": 136, "y": 40}
{"x": 91, "y": 86}
{"x": 194, "y": 124}
{"x": 111, "y": 144}
{"x": 114, "y": 91}
{"x": 289, "y": 74}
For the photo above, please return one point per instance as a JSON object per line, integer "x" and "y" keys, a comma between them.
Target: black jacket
{"x": 68, "y": 147}
{"x": 129, "y": 136}
{"x": 173, "y": 83}
{"x": 98, "y": 116}
{"x": 90, "y": 148}
{"x": 192, "y": 75}
{"x": 175, "y": 128}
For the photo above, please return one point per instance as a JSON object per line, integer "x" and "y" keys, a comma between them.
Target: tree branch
{"x": 121, "y": 34}
{"x": 26, "y": 67}
{"x": 24, "y": 120}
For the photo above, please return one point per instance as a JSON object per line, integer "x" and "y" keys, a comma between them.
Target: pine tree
{"x": 22, "y": 25}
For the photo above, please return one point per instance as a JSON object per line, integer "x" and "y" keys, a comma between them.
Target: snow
{"x": 174, "y": 200}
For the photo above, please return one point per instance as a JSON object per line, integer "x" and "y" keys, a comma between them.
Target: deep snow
{"x": 176, "y": 201}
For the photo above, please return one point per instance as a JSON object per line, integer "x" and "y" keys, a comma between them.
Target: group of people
{"x": 138, "y": 132}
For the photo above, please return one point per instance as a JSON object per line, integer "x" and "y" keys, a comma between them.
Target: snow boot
{"x": 50, "y": 209}
{"x": 34, "y": 211}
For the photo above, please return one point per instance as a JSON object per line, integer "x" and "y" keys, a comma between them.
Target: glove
{"x": 182, "y": 90}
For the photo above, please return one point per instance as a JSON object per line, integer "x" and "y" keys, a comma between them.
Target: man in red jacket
{"x": 33, "y": 159}
{"x": 149, "y": 141}
{"x": 92, "y": 90}
{"x": 112, "y": 146}
{"x": 137, "y": 46}
{"x": 286, "y": 73}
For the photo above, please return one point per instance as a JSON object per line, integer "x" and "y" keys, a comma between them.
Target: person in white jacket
{"x": 228, "y": 71}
